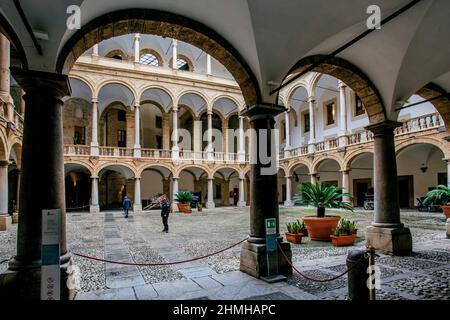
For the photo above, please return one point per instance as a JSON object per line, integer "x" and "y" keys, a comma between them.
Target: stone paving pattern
{"x": 424, "y": 275}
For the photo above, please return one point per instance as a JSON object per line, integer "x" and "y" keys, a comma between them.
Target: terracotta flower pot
{"x": 320, "y": 229}
{"x": 343, "y": 241}
{"x": 446, "y": 210}
{"x": 304, "y": 231}
{"x": 200, "y": 209}
{"x": 182, "y": 207}
{"x": 294, "y": 238}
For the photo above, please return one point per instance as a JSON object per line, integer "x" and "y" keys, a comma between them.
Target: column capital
{"x": 385, "y": 127}
{"x": 346, "y": 171}
{"x": 137, "y": 36}
{"x": 311, "y": 99}
{"x": 4, "y": 163}
{"x": 175, "y": 109}
{"x": 94, "y": 177}
{"x": 94, "y": 100}
{"x": 262, "y": 111}
{"x": 42, "y": 82}
{"x": 137, "y": 178}
{"x": 341, "y": 84}
{"x": 137, "y": 105}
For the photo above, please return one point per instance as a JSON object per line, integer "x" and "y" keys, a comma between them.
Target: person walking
{"x": 126, "y": 205}
{"x": 165, "y": 211}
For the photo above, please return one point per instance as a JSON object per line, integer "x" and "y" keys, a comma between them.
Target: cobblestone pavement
{"x": 424, "y": 275}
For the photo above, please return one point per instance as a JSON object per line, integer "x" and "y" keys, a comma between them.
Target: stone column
{"x": 343, "y": 132}
{"x": 312, "y": 125}
{"x": 241, "y": 142}
{"x": 242, "y": 203}
{"x": 175, "y": 148}
{"x": 288, "y": 202}
{"x": 166, "y": 131}
{"x": 226, "y": 192}
{"x": 137, "y": 50}
{"x": 166, "y": 188}
{"x": 95, "y": 207}
{"x": 94, "y": 142}
{"x": 210, "y": 203}
{"x": 5, "y": 94}
{"x": 15, "y": 215}
{"x": 137, "y": 207}
{"x": 208, "y": 65}
{"x": 387, "y": 233}
{"x": 209, "y": 148}
{"x": 95, "y": 50}
{"x": 174, "y": 192}
{"x": 5, "y": 218}
{"x": 346, "y": 184}
{"x": 263, "y": 194}
{"x": 448, "y": 173}
{"x": 288, "y": 137}
{"x": 197, "y": 136}
{"x": 42, "y": 183}
{"x": 225, "y": 137}
{"x": 314, "y": 178}
{"x": 174, "y": 54}
{"x": 137, "y": 130}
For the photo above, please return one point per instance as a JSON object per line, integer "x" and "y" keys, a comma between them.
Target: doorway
{"x": 360, "y": 188}
{"x": 406, "y": 192}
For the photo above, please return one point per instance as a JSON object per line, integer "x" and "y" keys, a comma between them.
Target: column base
{"x": 5, "y": 222}
{"x": 241, "y": 157}
{"x": 137, "y": 152}
{"x": 15, "y": 218}
{"x": 288, "y": 204}
{"x": 94, "y": 209}
{"x": 242, "y": 204}
{"x": 95, "y": 150}
{"x": 210, "y": 205}
{"x": 137, "y": 208}
{"x": 23, "y": 282}
{"x": 448, "y": 228}
{"x": 395, "y": 241}
{"x": 254, "y": 260}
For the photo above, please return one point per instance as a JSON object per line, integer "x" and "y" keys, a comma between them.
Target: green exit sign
{"x": 271, "y": 223}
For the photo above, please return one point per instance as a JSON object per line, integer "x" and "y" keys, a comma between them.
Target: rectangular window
{"x": 158, "y": 122}
{"x": 159, "y": 142}
{"x": 79, "y": 136}
{"x": 122, "y": 138}
{"x": 359, "y": 107}
{"x": 121, "y": 115}
{"x": 307, "y": 125}
{"x": 218, "y": 191}
{"x": 331, "y": 113}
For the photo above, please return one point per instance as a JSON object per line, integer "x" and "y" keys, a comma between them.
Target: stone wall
{"x": 77, "y": 112}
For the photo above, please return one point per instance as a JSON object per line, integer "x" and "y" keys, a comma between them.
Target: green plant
{"x": 184, "y": 197}
{"x": 345, "y": 227}
{"x": 301, "y": 224}
{"x": 293, "y": 228}
{"x": 440, "y": 195}
{"x": 199, "y": 206}
{"x": 322, "y": 196}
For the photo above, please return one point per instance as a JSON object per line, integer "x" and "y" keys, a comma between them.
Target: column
{"x": 175, "y": 148}
{"x": 225, "y": 138}
{"x": 5, "y": 218}
{"x": 94, "y": 142}
{"x": 174, "y": 54}
{"x": 448, "y": 173}
{"x": 210, "y": 203}
{"x": 242, "y": 203}
{"x": 137, "y": 207}
{"x": 312, "y": 125}
{"x": 241, "y": 142}
{"x": 263, "y": 194}
{"x": 137, "y": 50}
{"x": 95, "y": 208}
{"x": 95, "y": 51}
{"x": 137, "y": 130}
{"x": 42, "y": 183}
{"x": 209, "y": 148}
{"x": 288, "y": 137}
{"x": 387, "y": 233}
{"x": 166, "y": 131}
{"x": 174, "y": 192}
{"x": 288, "y": 202}
{"x": 208, "y": 65}
{"x": 5, "y": 95}
{"x": 343, "y": 132}
{"x": 197, "y": 136}
{"x": 346, "y": 185}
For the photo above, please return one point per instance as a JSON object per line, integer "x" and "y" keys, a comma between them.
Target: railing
{"x": 156, "y": 154}
{"x": 430, "y": 121}
{"x": 77, "y": 150}
{"x": 359, "y": 137}
{"x": 115, "y": 152}
{"x": 18, "y": 121}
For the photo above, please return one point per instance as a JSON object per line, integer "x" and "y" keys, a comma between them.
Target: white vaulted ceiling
{"x": 271, "y": 36}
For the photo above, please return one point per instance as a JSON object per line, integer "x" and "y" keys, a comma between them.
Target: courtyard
{"x": 424, "y": 275}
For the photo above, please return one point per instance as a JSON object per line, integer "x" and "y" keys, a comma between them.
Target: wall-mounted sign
{"x": 51, "y": 272}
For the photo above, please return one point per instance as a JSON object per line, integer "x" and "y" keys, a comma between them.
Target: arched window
{"x": 149, "y": 59}
{"x": 182, "y": 65}
{"x": 117, "y": 57}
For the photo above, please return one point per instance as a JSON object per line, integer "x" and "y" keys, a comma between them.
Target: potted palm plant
{"x": 199, "y": 207}
{"x": 344, "y": 234}
{"x": 440, "y": 195}
{"x": 293, "y": 234}
{"x": 184, "y": 199}
{"x": 321, "y": 196}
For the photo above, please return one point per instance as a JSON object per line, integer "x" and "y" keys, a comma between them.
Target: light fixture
{"x": 424, "y": 168}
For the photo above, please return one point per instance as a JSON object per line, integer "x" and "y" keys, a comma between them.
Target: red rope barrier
{"x": 158, "y": 264}
{"x": 86, "y": 206}
{"x": 315, "y": 279}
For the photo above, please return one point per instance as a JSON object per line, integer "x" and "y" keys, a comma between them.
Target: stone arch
{"x": 438, "y": 143}
{"x": 198, "y": 166}
{"x": 154, "y": 53}
{"x": 79, "y": 163}
{"x": 154, "y": 165}
{"x": 349, "y": 158}
{"x": 295, "y": 164}
{"x": 3, "y": 147}
{"x": 109, "y": 107}
{"x": 156, "y": 104}
{"x": 185, "y": 58}
{"x": 11, "y": 35}
{"x": 225, "y": 96}
{"x": 127, "y": 85}
{"x": 216, "y": 170}
{"x": 291, "y": 92}
{"x": 117, "y": 52}
{"x": 354, "y": 78}
{"x": 198, "y": 93}
{"x": 165, "y": 24}
{"x": 111, "y": 164}
{"x": 87, "y": 82}
{"x": 16, "y": 146}
{"x": 441, "y": 103}
{"x": 317, "y": 162}
{"x": 156, "y": 87}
